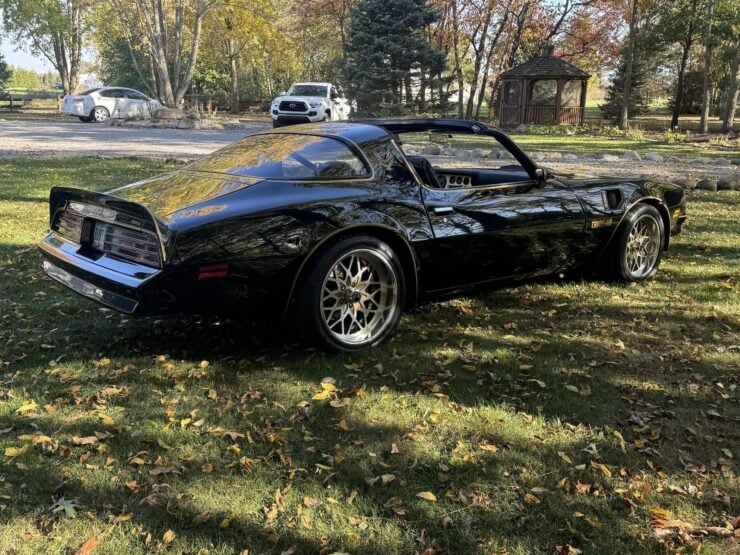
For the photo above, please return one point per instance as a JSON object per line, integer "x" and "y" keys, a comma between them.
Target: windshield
{"x": 307, "y": 90}
{"x": 285, "y": 156}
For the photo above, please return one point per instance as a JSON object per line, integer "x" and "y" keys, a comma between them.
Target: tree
{"x": 163, "y": 37}
{"x": 706, "y": 86}
{"x": 54, "y": 29}
{"x": 628, "y": 82}
{"x": 5, "y": 72}
{"x": 22, "y": 78}
{"x": 634, "y": 103}
{"x": 678, "y": 26}
{"x": 388, "y": 52}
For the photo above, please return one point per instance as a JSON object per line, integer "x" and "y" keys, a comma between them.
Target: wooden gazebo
{"x": 546, "y": 90}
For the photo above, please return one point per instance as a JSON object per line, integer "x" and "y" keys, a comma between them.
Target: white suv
{"x": 310, "y": 102}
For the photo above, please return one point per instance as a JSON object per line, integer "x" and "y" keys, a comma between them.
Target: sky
{"x": 22, "y": 58}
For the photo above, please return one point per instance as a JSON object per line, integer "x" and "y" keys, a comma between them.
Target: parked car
{"x": 97, "y": 105}
{"x": 337, "y": 229}
{"x": 310, "y": 102}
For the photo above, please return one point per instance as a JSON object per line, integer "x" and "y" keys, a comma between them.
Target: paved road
{"x": 74, "y": 138}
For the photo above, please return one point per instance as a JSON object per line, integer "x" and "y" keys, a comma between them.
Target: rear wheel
{"x": 638, "y": 246}
{"x": 100, "y": 114}
{"x": 352, "y": 295}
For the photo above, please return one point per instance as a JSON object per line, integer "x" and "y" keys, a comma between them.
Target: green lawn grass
{"x": 531, "y": 417}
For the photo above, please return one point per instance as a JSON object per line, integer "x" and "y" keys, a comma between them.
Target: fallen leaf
{"x": 88, "y": 547}
{"x": 168, "y": 537}
{"x": 87, "y": 440}
{"x": 28, "y": 406}
{"x": 530, "y": 499}
{"x": 427, "y": 495}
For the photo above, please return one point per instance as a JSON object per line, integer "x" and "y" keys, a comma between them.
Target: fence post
{"x": 10, "y": 96}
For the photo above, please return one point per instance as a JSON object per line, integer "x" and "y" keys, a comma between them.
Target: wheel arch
{"x": 400, "y": 245}
{"x": 664, "y": 214}
{"x": 651, "y": 201}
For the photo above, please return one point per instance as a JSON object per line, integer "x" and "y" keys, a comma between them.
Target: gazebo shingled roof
{"x": 546, "y": 66}
{"x": 541, "y": 91}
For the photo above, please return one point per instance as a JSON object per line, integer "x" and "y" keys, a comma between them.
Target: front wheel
{"x": 275, "y": 124}
{"x": 352, "y": 295}
{"x": 100, "y": 114}
{"x": 638, "y": 246}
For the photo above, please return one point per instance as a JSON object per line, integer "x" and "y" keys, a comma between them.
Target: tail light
{"x": 213, "y": 271}
{"x": 131, "y": 244}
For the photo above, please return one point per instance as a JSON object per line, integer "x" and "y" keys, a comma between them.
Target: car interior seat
{"x": 426, "y": 172}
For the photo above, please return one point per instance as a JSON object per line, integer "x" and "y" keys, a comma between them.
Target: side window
{"x": 455, "y": 160}
{"x": 287, "y": 156}
{"x": 111, "y": 93}
{"x": 134, "y": 95}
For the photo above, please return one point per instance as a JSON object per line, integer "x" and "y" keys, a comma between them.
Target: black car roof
{"x": 363, "y": 130}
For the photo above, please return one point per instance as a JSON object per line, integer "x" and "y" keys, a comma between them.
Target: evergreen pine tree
{"x": 5, "y": 72}
{"x": 638, "y": 105}
{"x": 388, "y": 53}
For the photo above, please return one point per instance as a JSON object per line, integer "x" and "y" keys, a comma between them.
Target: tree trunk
{"x": 458, "y": 61}
{"x": 479, "y": 50}
{"x": 184, "y": 85}
{"x": 489, "y": 60}
{"x": 707, "y": 86}
{"x": 627, "y": 89}
{"x": 234, "y": 76}
{"x": 688, "y": 41}
{"x": 728, "y": 115}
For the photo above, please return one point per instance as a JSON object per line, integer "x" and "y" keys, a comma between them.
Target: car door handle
{"x": 443, "y": 210}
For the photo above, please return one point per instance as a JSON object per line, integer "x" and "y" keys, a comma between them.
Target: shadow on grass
{"x": 514, "y": 366}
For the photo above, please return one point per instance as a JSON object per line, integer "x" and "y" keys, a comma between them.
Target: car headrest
{"x": 425, "y": 170}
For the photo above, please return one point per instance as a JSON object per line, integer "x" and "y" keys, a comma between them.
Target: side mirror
{"x": 540, "y": 175}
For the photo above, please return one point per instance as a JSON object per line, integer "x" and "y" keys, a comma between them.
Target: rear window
{"x": 286, "y": 156}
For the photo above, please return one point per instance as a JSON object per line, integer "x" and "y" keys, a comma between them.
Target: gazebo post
{"x": 583, "y": 100}
{"x": 559, "y": 102}
{"x": 523, "y": 95}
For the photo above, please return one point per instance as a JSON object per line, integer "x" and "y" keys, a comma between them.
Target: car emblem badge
{"x": 292, "y": 105}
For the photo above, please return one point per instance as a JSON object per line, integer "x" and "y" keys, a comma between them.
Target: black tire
{"x": 275, "y": 124}
{"x": 85, "y": 119}
{"x": 99, "y": 114}
{"x": 313, "y": 321}
{"x": 627, "y": 249}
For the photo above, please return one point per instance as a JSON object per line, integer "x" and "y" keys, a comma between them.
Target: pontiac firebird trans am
{"x": 338, "y": 227}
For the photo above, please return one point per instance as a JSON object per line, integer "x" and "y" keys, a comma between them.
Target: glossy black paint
{"x": 266, "y": 231}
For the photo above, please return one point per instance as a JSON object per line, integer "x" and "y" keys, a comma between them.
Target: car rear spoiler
{"x": 108, "y": 208}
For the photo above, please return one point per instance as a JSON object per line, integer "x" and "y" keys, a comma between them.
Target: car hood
{"x": 300, "y": 99}
{"x": 168, "y": 194}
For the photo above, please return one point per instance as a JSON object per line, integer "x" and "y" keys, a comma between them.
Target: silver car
{"x": 97, "y": 105}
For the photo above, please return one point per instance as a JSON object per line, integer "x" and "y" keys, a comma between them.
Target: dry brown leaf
{"x": 530, "y": 499}
{"x": 427, "y": 495}
{"x": 88, "y": 547}
{"x": 168, "y": 537}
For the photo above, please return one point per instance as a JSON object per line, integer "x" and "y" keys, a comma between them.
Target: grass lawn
{"x": 517, "y": 420}
{"x": 583, "y": 144}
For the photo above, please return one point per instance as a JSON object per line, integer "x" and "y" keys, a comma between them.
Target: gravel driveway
{"x": 74, "y": 138}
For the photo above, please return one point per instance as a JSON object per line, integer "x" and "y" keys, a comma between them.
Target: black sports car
{"x": 338, "y": 227}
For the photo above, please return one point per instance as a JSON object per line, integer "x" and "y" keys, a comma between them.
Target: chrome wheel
{"x": 643, "y": 246}
{"x": 100, "y": 114}
{"x": 359, "y": 296}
